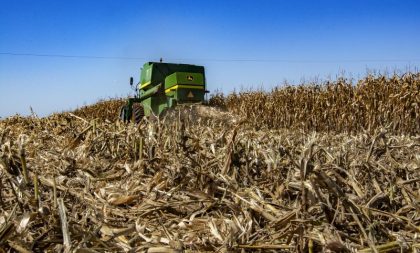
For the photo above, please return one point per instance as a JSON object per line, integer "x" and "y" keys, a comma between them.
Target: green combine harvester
{"x": 163, "y": 86}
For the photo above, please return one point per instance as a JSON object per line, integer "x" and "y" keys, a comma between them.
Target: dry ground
{"x": 201, "y": 179}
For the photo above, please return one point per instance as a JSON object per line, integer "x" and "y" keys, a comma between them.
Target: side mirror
{"x": 131, "y": 81}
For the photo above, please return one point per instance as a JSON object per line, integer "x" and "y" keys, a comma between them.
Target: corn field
{"x": 328, "y": 168}
{"x": 392, "y": 103}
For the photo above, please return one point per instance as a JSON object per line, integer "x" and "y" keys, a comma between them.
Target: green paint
{"x": 164, "y": 85}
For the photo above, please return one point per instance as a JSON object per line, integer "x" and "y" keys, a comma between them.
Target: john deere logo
{"x": 190, "y": 78}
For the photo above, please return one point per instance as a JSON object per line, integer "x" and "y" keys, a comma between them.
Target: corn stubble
{"x": 316, "y": 168}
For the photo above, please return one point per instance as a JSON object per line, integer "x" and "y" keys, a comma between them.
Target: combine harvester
{"x": 163, "y": 86}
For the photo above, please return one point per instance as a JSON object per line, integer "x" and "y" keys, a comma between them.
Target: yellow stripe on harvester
{"x": 184, "y": 87}
{"x": 144, "y": 85}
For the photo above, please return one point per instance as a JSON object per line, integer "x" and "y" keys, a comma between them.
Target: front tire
{"x": 123, "y": 113}
{"x": 137, "y": 113}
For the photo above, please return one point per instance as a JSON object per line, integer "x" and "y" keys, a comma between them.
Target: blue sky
{"x": 242, "y": 44}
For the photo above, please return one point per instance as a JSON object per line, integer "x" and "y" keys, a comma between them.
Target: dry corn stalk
{"x": 202, "y": 180}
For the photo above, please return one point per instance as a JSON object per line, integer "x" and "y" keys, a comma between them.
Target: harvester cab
{"x": 163, "y": 86}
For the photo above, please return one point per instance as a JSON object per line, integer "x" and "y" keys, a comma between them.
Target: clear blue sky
{"x": 284, "y": 39}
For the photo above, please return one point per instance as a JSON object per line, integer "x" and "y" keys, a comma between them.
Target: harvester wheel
{"x": 123, "y": 113}
{"x": 138, "y": 113}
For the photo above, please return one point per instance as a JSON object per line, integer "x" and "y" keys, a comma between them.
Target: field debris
{"x": 195, "y": 182}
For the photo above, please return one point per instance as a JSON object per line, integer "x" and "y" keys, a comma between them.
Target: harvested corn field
{"x": 201, "y": 180}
